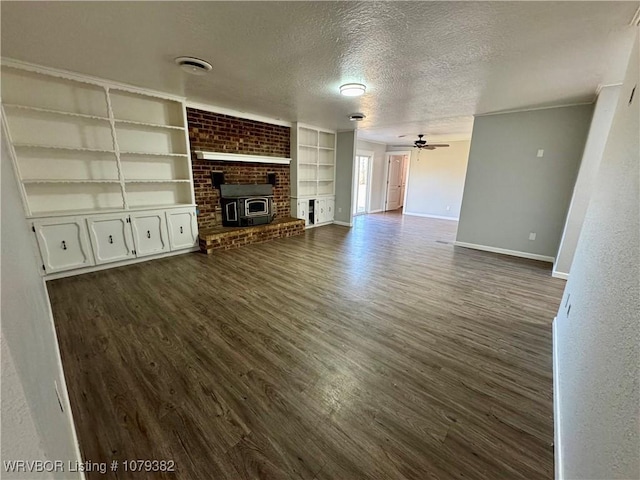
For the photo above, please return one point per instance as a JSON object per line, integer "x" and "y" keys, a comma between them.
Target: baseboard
{"x": 557, "y": 433}
{"x": 344, "y": 224}
{"x": 62, "y": 386}
{"x": 562, "y": 275}
{"x": 376, "y": 211}
{"x": 428, "y": 215}
{"x": 503, "y": 251}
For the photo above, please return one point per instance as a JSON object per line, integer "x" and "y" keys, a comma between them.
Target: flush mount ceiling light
{"x": 352, "y": 89}
{"x": 193, "y": 65}
{"x": 357, "y": 117}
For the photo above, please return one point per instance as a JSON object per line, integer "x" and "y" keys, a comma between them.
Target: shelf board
{"x": 53, "y": 147}
{"x": 236, "y": 157}
{"x": 326, "y": 148}
{"x": 155, "y": 154}
{"x": 98, "y": 211}
{"x": 157, "y": 180}
{"x": 67, "y": 180}
{"x": 308, "y": 163}
{"x": 326, "y": 164}
{"x": 55, "y": 112}
{"x": 152, "y": 125}
{"x": 307, "y": 181}
{"x": 325, "y": 180}
{"x": 307, "y": 146}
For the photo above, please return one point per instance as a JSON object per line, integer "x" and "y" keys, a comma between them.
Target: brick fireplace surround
{"x": 214, "y": 132}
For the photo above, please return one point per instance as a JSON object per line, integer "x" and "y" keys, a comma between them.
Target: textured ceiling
{"x": 429, "y": 66}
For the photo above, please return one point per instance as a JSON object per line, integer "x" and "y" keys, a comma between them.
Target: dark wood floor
{"x": 378, "y": 352}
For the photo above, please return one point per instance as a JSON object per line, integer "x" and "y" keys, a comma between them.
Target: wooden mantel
{"x": 236, "y": 157}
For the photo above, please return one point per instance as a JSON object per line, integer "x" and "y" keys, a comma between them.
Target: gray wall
{"x": 597, "y": 342}
{"x": 436, "y": 180}
{"x": 345, "y": 155}
{"x": 593, "y": 150}
{"x": 509, "y": 192}
{"x": 378, "y": 173}
{"x": 27, "y": 329}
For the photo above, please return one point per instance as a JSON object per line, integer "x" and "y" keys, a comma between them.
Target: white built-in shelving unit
{"x": 83, "y": 146}
{"x": 313, "y": 170}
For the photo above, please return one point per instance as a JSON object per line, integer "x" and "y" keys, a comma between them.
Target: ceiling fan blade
{"x": 408, "y": 146}
{"x": 438, "y": 145}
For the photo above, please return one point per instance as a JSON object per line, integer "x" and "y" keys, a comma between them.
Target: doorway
{"x": 397, "y": 171}
{"x": 362, "y": 183}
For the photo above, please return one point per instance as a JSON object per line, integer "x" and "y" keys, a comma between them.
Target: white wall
{"x": 436, "y": 181}
{"x": 345, "y": 165}
{"x": 593, "y": 150}
{"x": 597, "y": 340}
{"x": 510, "y": 192}
{"x": 378, "y": 173}
{"x": 20, "y": 440}
{"x": 27, "y": 329}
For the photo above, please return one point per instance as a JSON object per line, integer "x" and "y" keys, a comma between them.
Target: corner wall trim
{"x": 557, "y": 433}
{"x": 344, "y": 224}
{"x": 562, "y": 275}
{"x": 428, "y": 215}
{"x": 503, "y": 251}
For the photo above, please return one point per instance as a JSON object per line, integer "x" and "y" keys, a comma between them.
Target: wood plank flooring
{"x": 377, "y": 352}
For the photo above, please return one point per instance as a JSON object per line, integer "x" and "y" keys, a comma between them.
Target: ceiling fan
{"x": 421, "y": 144}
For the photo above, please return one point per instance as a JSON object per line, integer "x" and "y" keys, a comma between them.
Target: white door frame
{"x": 367, "y": 207}
{"x": 387, "y": 158}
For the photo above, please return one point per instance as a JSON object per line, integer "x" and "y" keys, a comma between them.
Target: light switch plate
{"x": 540, "y": 153}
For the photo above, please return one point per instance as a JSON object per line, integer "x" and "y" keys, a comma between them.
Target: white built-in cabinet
{"x": 104, "y": 170}
{"x": 313, "y": 170}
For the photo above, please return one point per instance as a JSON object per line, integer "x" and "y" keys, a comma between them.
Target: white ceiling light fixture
{"x": 352, "y": 89}
{"x": 194, "y": 66}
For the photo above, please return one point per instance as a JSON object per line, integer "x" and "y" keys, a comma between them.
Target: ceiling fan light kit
{"x": 357, "y": 117}
{"x": 421, "y": 144}
{"x": 352, "y": 89}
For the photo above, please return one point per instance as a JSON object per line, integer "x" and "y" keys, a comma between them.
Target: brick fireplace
{"x": 216, "y": 132}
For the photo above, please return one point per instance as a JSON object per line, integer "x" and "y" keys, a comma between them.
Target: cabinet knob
{"x": 181, "y": 229}
{"x": 110, "y": 238}
{"x": 148, "y": 233}
{"x": 64, "y": 245}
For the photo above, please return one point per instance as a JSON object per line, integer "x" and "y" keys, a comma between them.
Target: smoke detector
{"x": 194, "y": 66}
{"x": 357, "y": 117}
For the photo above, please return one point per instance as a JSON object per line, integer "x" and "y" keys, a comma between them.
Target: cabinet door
{"x": 302, "y": 210}
{"x": 63, "y": 243}
{"x": 331, "y": 205}
{"x": 183, "y": 228}
{"x": 149, "y": 232}
{"x": 111, "y": 238}
{"x": 321, "y": 210}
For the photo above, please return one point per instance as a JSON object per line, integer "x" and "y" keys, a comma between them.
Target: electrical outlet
{"x": 540, "y": 153}
{"x": 532, "y": 235}
{"x": 339, "y": 209}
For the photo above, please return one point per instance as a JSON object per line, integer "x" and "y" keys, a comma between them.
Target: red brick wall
{"x": 214, "y": 132}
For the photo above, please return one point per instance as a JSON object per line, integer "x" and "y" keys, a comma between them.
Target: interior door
{"x": 150, "y": 232}
{"x": 395, "y": 181}
{"x": 63, "y": 243}
{"x": 182, "y": 227}
{"x": 111, "y": 238}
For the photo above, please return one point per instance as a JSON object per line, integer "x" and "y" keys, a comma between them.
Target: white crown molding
{"x": 533, "y": 109}
{"x": 236, "y": 113}
{"x": 79, "y": 77}
{"x": 237, "y": 157}
{"x": 504, "y": 251}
